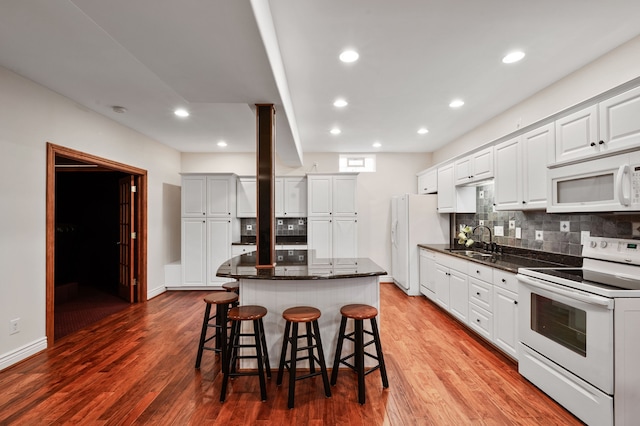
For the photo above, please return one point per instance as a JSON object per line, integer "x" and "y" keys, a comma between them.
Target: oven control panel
{"x": 612, "y": 249}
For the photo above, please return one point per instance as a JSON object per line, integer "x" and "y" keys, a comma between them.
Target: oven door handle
{"x": 591, "y": 299}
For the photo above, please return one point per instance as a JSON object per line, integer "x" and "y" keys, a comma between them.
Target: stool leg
{"x": 265, "y": 350}
{"x": 235, "y": 328}
{"x": 376, "y": 337}
{"x": 359, "y": 359}
{"x": 312, "y": 368}
{"x": 222, "y": 330}
{"x": 203, "y": 334}
{"x": 336, "y": 359}
{"x": 323, "y": 366}
{"x": 292, "y": 365}
{"x": 258, "y": 339}
{"x": 219, "y": 309}
{"x": 283, "y": 353}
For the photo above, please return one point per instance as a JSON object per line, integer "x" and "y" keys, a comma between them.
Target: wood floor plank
{"x": 137, "y": 367}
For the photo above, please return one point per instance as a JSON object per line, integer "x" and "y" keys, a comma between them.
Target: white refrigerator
{"x": 414, "y": 220}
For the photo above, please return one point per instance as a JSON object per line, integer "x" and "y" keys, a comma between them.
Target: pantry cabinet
{"x": 333, "y": 238}
{"x": 208, "y": 227}
{"x": 332, "y": 195}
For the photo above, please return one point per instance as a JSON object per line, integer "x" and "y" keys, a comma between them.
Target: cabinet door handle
{"x": 504, "y": 281}
{"x": 478, "y": 320}
{"x": 601, "y": 143}
{"x": 478, "y": 293}
{"x": 592, "y": 144}
{"x": 477, "y": 271}
{"x": 515, "y": 302}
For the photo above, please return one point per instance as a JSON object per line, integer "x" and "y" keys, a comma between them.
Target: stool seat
{"x": 220, "y": 298}
{"x": 359, "y": 312}
{"x": 301, "y": 314}
{"x": 247, "y": 313}
{"x": 231, "y": 286}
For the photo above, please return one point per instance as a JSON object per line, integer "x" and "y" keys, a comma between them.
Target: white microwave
{"x": 608, "y": 184}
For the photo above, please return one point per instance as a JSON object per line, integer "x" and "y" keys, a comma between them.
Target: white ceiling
{"x": 218, "y": 58}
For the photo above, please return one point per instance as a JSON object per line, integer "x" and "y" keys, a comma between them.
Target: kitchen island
{"x": 301, "y": 279}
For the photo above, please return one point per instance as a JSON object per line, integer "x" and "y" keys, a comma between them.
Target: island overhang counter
{"x": 301, "y": 279}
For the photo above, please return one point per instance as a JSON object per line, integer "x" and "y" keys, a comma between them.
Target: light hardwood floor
{"x": 137, "y": 367}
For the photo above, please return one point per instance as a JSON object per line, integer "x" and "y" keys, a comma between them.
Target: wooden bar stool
{"x": 233, "y": 286}
{"x": 222, "y": 300}
{"x": 309, "y": 316}
{"x": 237, "y": 315}
{"x": 359, "y": 313}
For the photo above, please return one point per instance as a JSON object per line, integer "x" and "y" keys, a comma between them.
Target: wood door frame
{"x": 141, "y": 218}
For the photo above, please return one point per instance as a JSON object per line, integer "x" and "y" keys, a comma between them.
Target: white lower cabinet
{"x": 482, "y": 297}
{"x": 505, "y": 305}
{"x": 332, "y": 238}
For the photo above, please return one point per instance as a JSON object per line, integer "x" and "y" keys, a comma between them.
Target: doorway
{"x": 96, "y": 236}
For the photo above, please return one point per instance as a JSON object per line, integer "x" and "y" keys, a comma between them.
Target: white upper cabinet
{"x": 611, "y": 125}
{"x": 246, "y": 197}
{"x": 452, "y": 199}
{"x": 577, "y": 134}
{"x": 521, "y": 170}
{"x": 620, "y": 121}
{"x": 428, "y": 182}
{"x": 475, "y": 167}
{"x": 294, "y": 196}
{"x": 332, "y": 195}
{"x": 221, "y": 195}
{"x": 194, "y": 196}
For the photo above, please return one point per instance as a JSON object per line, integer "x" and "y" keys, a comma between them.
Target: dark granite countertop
{"x": 512, "y": 258}
{"x": 280, "y": 240}
{"x": 296, "y": 265}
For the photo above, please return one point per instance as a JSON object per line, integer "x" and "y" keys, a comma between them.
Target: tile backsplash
{"x": 560, "y": 232}
{"x": 290, "y": 226}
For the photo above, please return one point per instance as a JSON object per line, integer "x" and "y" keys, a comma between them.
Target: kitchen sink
{"x": 471, "y": 253}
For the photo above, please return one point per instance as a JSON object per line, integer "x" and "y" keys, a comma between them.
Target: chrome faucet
{"x": 491, "y": 246}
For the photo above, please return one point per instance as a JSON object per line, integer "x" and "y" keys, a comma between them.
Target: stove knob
{"x": 593, "y": 244}
{"x": 603, "y": 244}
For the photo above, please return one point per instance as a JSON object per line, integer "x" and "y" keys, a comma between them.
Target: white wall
{"x": 395, "y": 174}
{"x": 31, "y": 116}
{"x": 612, "y": 69}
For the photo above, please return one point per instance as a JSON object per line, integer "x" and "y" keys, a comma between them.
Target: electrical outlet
{"x": 583, "y": 237}
{"x": 290, "y": 227}
{"x": 498, "y": 231}
{"x": 481, "y": 194}
{"x": 280, "y": 222}
{"x": 635, "y": 229}
{"x": 512, "y": 224}
{"x": 249, "y": 227}
{"x": 14, "y": 326}
{"x": 565, "y": 226}
{"x": 481, "y": 222}
{"x": 539, "y": 235}
{"x": 300, "y": 221}
{"x": 518, "y": 233}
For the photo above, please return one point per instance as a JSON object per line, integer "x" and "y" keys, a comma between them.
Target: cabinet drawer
{"x": 506, "y": 280}
{"x": 481, "y": 321}
{"x": 481, "y": 272}
{"x": 481, "y": 293}
{"x": 452, "y": 262}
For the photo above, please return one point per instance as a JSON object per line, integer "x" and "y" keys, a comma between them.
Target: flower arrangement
{"x": 464, "y": 237}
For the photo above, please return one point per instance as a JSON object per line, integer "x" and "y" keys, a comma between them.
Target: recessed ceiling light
{"x": 457, "y": 103}
{"x": 349, "y": 56}
{"x": 335, "y": 131}
{"x": 222, "y": 144}
{"x": 423, "y": 131}
{"x": 340, "y": 103}
{"x": 513, "y": 57}
{"x": 180, "y": 112}
{"x": 118, "y": 109}
{"x": 377, "y": 144}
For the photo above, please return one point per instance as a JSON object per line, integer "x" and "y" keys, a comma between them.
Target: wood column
{"x": 265, "y": 178}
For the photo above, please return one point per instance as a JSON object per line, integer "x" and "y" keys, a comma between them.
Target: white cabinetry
{"x": 451, "y": 291}
{"x": 505, "y": 306}
{"x": 521, "y": 169}
{"x": 428, "y": 182}
{"x": 428, "y": 273}
{"x": 609, "y": 126}
{"x": 452, "y": 198}
{"x": 291, "y": 197}
{"x": 208, "y": 218}
{"x": 246, "y": 195}
{"x": 240, "y": 249}
{"x": 332, "y": 195}
{"x": 480, "y": 299}
{"x": 332, "y": 224}
{"x": 475, "y": 167}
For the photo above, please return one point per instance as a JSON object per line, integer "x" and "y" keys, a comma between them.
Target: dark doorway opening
{"x": 86, "y": 244}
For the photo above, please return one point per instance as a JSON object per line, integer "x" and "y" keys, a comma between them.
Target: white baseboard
{"x": 155, "y": 292}
{"x": 13, "y": 357}
{"x": 386, "y": 279}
